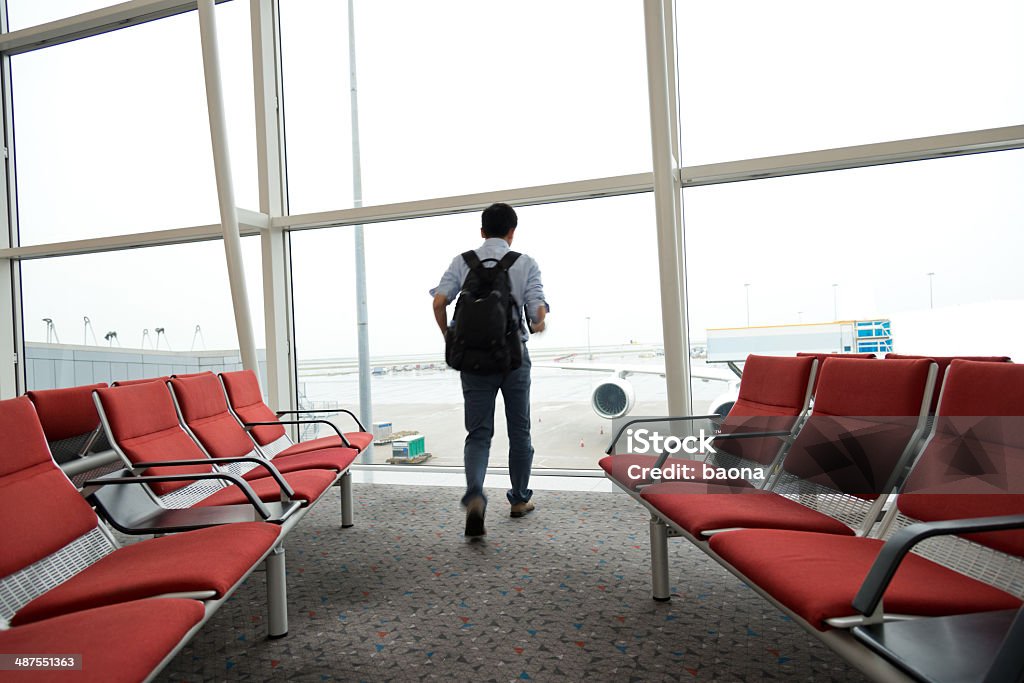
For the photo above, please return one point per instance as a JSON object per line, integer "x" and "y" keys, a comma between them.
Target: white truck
{"x": 732, "y": 345}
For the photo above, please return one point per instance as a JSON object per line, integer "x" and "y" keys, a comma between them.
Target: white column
{"x": 12, "y": 350}
{"x": 225, "y": 188}
{"x": 10, "y": 356}
{"x": 668, "y": 208}
{"x": 266, "y": 59}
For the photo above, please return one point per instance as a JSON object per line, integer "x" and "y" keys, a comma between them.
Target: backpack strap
{"x": 471, "y": 259}
{"x": 508, "y": 259}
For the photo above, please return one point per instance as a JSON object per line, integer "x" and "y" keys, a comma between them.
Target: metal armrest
{"x": 311, "y": 411}
{"x": 748, "y": 435}
{"x": 90, "y": 486}
{"x": 89, "y": 462}
{"x": 639, "y": 420}
{"x": 265, "y": 464}
{"x": 176, "y": 520}
{"x": 301, "y": 422}
{"x": 896, "y": 548}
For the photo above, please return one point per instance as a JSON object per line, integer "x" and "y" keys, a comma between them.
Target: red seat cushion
{"x": 263, "y": 434}
{"x": 149, "y": 629}
{"x": 864, "y": 418}
{"x": 746, "y": 418}
{"x": 618, "y": 467}
{"x": 704, "y": 507}
{"x": 145, "y": 380}
{"x": 821, "y": 360}
{"x": 222, "y": 436}
{"x": 243, "y": 390}
{"x": 773, "y": 392}
{"x": 335, "y": 459}
{"x": 974, "y": 464}
{"x": 861, "y": 388}
{"x": 205, "y": 410}
{"x": 144, "y": 424}
{"x": 40, "y": 510}
{"x": 777, "y": 382}
{"x": 818, "y": 575}
{"x": 65, "y": 413}
{"x": 307, "y": 484}
{"x": 207, "y": 559}
{"x": 944, "y": 362}
{"x": 359, "y": 441}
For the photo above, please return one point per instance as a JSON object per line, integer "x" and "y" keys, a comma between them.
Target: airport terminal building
{"x": 777, "y": 408}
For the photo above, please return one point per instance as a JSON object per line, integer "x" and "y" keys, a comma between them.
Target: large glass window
{"x": 932, "y": 246}
{"x": 764, "y": 78}
{"x": 131, "y": 314}
{"x": 112, "y": 134}
{"x": 461, "y": 97}
{"x": 599, "y": 267}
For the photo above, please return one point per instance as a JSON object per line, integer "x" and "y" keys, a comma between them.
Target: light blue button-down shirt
{"x": 524, "y": 276}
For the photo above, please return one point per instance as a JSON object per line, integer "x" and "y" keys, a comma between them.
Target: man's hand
{"x": 538, "y": 327}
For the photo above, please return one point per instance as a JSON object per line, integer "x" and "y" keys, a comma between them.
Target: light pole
{"x": 51, "y": 331}
{"x": 87, "y": 331}
{"x": 362, "y": 308}
{"x": 198, "y": 334}
{"x": 746, "y": 288}
{"x": 835, "y": 301}
{"x": 590, "y": 355}
{"x": 931, "y": 296}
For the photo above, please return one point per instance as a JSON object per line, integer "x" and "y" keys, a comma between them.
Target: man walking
{"x": 480, "y": 382}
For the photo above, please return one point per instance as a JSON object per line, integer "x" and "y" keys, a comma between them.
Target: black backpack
{"x": 485, "y": 337}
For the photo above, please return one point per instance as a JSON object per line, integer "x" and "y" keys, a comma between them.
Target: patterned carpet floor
{"x": 560, "y": 595}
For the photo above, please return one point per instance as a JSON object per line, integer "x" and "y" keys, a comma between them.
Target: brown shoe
{"x": 475, "y": 518}
{"x": 522, "y": 509}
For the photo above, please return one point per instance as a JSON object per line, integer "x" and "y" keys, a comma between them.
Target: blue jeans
{"x": 479, "y": 392}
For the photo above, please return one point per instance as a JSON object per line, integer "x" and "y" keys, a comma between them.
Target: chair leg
{"x": 277, "y": 593}
{"x": 659, "y": 560}
{"x": 346, "y": 500}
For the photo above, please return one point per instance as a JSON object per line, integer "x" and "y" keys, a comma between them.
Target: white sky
{"x": 468, "y": 96}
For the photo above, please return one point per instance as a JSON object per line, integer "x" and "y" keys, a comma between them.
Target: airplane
{"x": 614, "y": 397}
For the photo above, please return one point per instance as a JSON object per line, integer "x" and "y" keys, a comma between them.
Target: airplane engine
{"x": 613, "y": 398}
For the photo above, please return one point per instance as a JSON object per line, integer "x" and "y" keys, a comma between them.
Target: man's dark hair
{"x": 498, "y": 220}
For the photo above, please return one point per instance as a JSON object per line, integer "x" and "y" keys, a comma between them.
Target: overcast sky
{"x": 461, "y": 97}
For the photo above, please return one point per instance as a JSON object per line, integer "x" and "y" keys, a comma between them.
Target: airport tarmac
{"x": 567, "y": 433}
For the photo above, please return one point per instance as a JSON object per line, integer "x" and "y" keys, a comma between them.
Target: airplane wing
{"x": 623, "y": 371}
